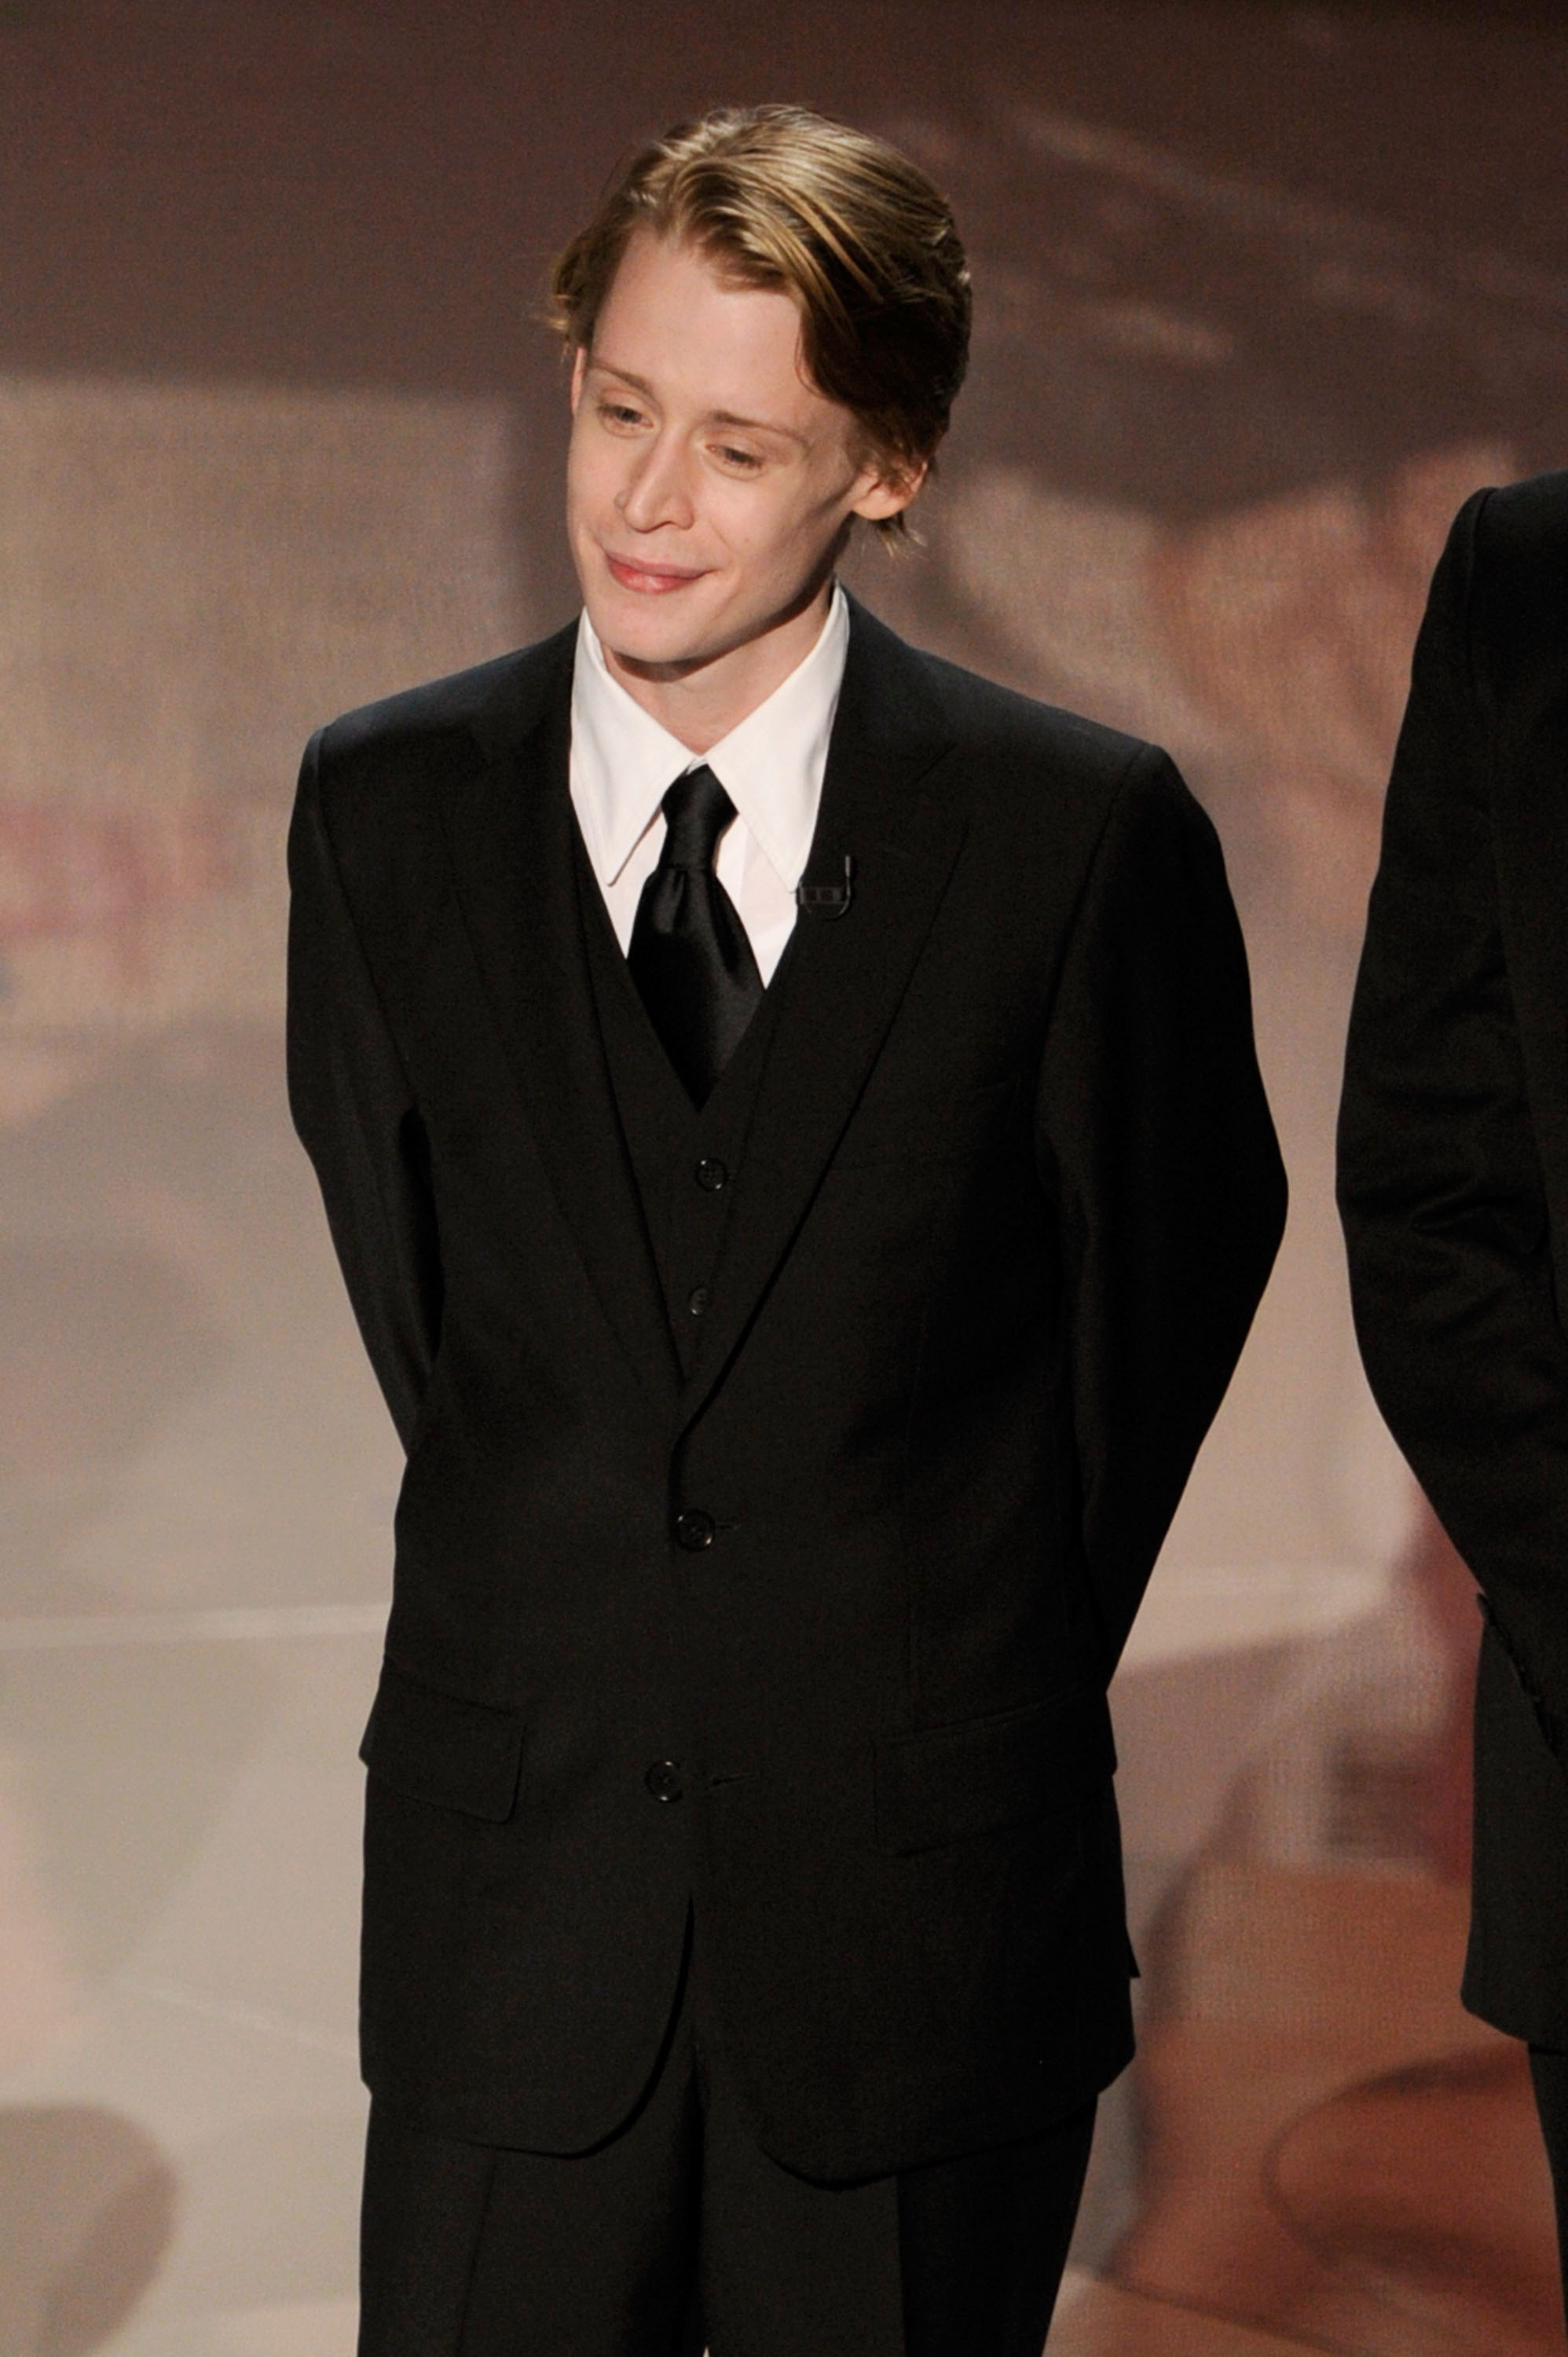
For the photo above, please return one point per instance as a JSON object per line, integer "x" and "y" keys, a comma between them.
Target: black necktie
{"x": 690, "y": 956}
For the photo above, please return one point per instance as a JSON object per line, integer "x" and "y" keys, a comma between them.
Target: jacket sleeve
{"x": 1155, "y": 1130}
{"x": 356, "y": 1116}
{"x": 1439, "y": 1183}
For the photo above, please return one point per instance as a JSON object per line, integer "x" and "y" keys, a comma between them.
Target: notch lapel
{"x": 889, "y": 803}
{"x": 510, "y": 838}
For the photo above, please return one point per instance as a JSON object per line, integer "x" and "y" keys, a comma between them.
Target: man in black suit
{"x": 1454, "y": 1185}
{"x": 788, "y": 1115}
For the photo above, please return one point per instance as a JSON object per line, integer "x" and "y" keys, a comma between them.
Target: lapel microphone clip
{"x": 828, "y": 900}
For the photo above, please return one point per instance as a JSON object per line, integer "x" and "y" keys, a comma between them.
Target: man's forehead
{"x": 673, "y": 287}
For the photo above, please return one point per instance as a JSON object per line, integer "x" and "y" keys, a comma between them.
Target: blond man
{"x": 788, "y": 1117}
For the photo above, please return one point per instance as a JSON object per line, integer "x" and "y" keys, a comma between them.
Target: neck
{"x": 700, "y": 703}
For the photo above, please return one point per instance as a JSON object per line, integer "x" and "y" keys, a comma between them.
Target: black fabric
{"x": 1453, "y": 1184}
{"x": 680, "y": 2234}
{"x": 1004, "y": 1195}
{"x": 689, "y": 954}
{"x": 468, "y": 2252}
{"x": 984, "y": 2241}
{"x": 422, "y": 2223}
{"x": 1549, "y": 2076}
{"x": 656, "y": 1117}
{"x": 668, "y": 1142}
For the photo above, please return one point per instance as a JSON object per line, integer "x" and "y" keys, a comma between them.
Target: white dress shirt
{"x": 771, "y": 766}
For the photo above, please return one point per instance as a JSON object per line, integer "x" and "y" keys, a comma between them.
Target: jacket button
{"x": 710, "y": 1175}
{"x": 663, "y": 1781}
{"x": 694, "y": 1530}
{"x": 699, "y": 1301}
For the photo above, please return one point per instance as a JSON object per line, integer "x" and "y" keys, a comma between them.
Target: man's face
{"x": 708, "y": 483}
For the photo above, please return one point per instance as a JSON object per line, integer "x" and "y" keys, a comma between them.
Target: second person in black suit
{"x": 1453, "y": 1184}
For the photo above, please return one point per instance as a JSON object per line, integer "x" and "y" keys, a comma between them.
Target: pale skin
{"x": 709, "y": 489}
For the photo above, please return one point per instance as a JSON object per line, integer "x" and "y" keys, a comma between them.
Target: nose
{"x": 658, "y": 492}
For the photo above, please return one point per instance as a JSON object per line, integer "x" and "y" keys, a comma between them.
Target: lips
{"x": 651, "y": 580}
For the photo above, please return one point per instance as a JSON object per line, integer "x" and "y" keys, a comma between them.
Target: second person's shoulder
{"x": 1517, "y": 585}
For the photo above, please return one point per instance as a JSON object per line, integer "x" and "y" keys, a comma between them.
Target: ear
{"x": 579, "y": 363}
{"x": 889, "y": 494}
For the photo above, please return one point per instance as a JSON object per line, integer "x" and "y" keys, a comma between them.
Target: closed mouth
{"x": 651, "y": 579}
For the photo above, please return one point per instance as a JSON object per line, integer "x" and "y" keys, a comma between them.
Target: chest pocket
{"x": 922, "y": 1126}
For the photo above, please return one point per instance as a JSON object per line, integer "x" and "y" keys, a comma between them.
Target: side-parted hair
{"x": 779, "y": 197}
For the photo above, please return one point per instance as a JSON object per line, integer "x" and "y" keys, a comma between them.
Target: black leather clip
{"x": 828, "y": 900}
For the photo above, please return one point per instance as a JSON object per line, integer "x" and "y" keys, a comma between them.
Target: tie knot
{"x": 696, "y": 812}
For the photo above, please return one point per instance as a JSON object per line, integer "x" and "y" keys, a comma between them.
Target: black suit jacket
{"x": 1454, "y": 1183}
{"x": 1009, "y": 1197}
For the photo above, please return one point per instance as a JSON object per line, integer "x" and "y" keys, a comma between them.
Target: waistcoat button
{"x": 663, "y": 1781}
{"x": 710, "y": 1175}
{"x": 694, "y": 1530}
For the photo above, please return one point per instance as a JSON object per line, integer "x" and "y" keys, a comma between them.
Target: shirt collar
{"x": 772, "y": 765}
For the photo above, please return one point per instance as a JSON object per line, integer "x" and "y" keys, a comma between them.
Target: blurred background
{"x": 1262, "y": 293}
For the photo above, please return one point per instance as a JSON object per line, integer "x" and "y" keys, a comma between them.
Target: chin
{"x": 640, "y": 633}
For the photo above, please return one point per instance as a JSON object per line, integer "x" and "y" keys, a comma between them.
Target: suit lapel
{"x": 890, "y": 804}
{"x": 510, "y": 838}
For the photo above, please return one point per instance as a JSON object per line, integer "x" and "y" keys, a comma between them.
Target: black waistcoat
{"x": 686, "y": 1162}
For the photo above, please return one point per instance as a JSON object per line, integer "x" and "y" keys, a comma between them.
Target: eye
{"x": 620, "y": 415}
{"x": 741, "y": 462}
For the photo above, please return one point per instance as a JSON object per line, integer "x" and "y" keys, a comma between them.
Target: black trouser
{"x": 1548, "y": 2074}
{"x": 680, "y": 2233}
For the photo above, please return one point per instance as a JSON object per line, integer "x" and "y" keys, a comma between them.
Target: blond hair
{"x": 779, "y": 197}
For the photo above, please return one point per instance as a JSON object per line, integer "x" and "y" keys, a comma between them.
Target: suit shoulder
{"x": 1518, "y": 568}
{"x": 1051, "y": 777}
{"x": 1522, "y": 529}
{"x": 989, "y": 720}
{"x": 489, "y": 705}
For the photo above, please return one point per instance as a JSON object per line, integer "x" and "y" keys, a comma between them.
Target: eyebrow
{"x": 713, "y": 417}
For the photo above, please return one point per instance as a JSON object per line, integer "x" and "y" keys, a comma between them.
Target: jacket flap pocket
{"x": 434, "y": 1747}
{"x": 953, "y": 1781}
